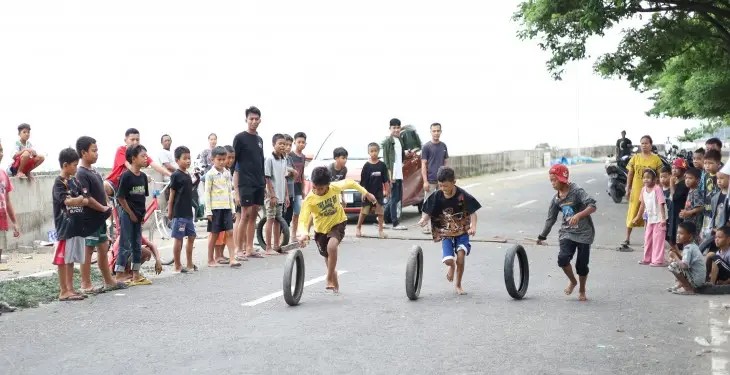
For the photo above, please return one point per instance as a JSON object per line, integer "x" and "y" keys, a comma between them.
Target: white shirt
{"x": 652, "y": 200}
{"x": 398, "y": 161}
{"x": 166, "y": 156}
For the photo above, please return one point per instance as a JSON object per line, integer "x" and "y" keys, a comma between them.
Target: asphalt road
{"x": 220, "y": 320}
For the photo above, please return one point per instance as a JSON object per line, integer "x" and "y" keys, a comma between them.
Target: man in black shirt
{"x": 623, "y": 146}
{"x": 248, "y": 181}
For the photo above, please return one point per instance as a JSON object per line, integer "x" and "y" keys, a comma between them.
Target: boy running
{"x": 329, "y": 218}
{"x": 180, "y": 210}
{"x": 576, "y": 231}
{"x": 90, "y": 180}
{"x": 452, "y": 214}
{"x": 374, "y": 178}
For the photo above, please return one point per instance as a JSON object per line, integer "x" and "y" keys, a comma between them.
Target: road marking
{"x": 471, "y": 185}
{"x": 510, "y": 178}
{"x": 523, "y": 204}
{"x": 592, "y": 180}
{"x": 717, "y": 339}
{"x": 281, "y": 293}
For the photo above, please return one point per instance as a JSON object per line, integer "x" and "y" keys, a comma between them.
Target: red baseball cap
{"x": 561, "y": 172}
{"x": 679, "y": 163}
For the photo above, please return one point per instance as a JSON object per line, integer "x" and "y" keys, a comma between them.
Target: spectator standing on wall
{"x": 434, "y": 155}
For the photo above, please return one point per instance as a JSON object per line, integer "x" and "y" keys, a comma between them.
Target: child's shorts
{"x": 723, "y": 268}
{"x": 222, "y": 221}
{"x": 273, "y": 211}
{"x": 70, "y": 251}
{"x": 677, "y": 270}
{"x": 98, "y": 237}
{"x": 450, "y": 245}
{"x": 322, "y": 239}
{"x": 182, "y": 227}
{"x": 368, "y": 206}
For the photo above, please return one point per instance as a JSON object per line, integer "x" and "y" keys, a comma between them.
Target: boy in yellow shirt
{"x": 329, "y": 218}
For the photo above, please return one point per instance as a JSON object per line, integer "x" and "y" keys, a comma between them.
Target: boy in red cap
{"x": 576, "y": 231}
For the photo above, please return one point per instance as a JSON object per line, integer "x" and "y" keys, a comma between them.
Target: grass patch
{"x": 33, "y": 291}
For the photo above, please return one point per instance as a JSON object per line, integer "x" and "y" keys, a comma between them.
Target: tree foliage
{"x": 679, "y": 52}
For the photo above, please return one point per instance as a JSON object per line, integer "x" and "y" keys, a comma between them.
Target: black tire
{"x": 284, "y": 232}
{"x": 616, "y": 195}
{"x": 294, "y": 259}
{"x": 516, "y": 251}
{"x": 414, "y": 273}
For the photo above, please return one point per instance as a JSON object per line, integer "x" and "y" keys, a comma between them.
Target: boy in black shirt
{"x": 373, "y": 176}
{"x": 93, "y": 184}
{"x": 180, "y": 209}
{"x": 131, "y": 195}
{"x": 68, "y": 204}
{"x": 452, "y": 212}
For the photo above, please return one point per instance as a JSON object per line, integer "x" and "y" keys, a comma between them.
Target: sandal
{"x": 74, "y": 297}
{"x": 142, "y": 281}
{"x": 236, "y": 265}
{"x": 643, "y": 263}
{"x": 115, "y": 286}
{"x": 683, "y": 293}
{"x": 93, "y": 291}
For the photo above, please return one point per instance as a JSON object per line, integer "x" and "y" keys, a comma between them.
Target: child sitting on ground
{"x": 330, "y": 220}
{"x": 26, "y": 158}
{"x": 576, "y": 231}
{"x": 452, "y": 213}
{"x": 374, "y": 178}
{"x": 718, "y": 263}
{"x": 688, "y": 268}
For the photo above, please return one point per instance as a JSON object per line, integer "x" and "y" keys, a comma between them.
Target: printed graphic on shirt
{"x": 568, "y": 213}
{"x": 327, "y": 206}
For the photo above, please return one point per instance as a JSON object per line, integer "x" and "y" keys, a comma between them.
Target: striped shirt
{"x": 218, "y": 191}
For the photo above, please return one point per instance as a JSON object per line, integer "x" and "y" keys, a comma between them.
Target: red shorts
{"x": 28, "y": 167}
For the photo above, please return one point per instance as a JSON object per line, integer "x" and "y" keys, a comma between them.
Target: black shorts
{"x": 222, "y": 221}
{"x": 723, "y": 268}
{"x": 251, "y": 195}
{"x": 321, "y": 239}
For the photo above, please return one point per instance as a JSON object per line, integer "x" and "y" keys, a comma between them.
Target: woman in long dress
{"x": 645, "y": 159}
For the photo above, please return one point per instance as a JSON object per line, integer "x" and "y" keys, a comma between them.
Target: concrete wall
{"x": 33, "y": 203}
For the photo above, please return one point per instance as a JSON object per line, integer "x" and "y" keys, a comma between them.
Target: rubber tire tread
{"x": 293, "y": 259}
{"x": 414, "y": 273}
{"x": 516, "y": 251}
{"x": 284, "y": 232}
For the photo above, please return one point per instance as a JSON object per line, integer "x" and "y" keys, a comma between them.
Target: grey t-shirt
{"x": 275, "y": 169}
{"x": 692, "y": 256}
{"x": 574, "y": 202}
{"x": 337, "y": 175}
{"x": 435, "y": 155}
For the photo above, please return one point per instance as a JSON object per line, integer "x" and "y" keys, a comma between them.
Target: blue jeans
{"x": 396, "y": 196}
{"x": 131, "y": 242}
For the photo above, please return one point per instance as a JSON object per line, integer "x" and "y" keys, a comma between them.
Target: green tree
{"x": 680, "y": 54}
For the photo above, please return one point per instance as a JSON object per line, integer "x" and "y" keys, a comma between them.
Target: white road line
{"x": 471, "y": 185}
{"x": 510, "y": 178}
{"x": 523, "y": 204}
{"x": 281, "y": 293}
{"x": 717, "y": 339}
{"x": 592, "y": 180}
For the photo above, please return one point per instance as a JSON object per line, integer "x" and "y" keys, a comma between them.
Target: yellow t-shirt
{"x": 326, "y": 209}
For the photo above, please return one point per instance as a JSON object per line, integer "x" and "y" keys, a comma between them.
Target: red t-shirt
{"x": 119, "y": 165}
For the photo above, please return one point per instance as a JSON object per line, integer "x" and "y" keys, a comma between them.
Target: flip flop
{"x": 72, "y": 298}
{"x": 142, "y": 281}
{"x": 93, "y": 291}
{"x": 256, "y": 255}
{"x": 241, "y": 258}
{"x": 116, "y": 286}
{"x": 236, "y": 265}
{"x": 223, "y": 261}
{"x": 683, "y": 293}
{"x": 6, "y": 308}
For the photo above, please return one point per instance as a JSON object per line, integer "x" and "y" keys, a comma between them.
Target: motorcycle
{"x": 617, "y": 177}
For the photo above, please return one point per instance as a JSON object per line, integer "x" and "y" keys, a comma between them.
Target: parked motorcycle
{"x": 617, "y": 177}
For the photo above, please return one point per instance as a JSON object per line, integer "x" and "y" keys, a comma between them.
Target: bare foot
{"x": 460, "y": 291}
{"x": 382, "y": 234}
{"x": 20, "y": 175}
{"x": 270, "y": 252}
{"x": 213, "y": 264}
{"x": 336, "y": 289}
{"x": 582, "y": 296}
{"x": 569, "y": 289}
{"x": 450, "y": 273}
{"x": 358, "y": 232}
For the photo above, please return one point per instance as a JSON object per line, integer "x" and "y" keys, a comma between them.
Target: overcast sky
{"x": 187, "y": 68}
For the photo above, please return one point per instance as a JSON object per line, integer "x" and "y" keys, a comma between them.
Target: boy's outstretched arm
{"x": 549, "y": 222}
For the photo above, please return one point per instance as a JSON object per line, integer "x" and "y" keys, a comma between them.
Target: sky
{"x": 189, "y": 68}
